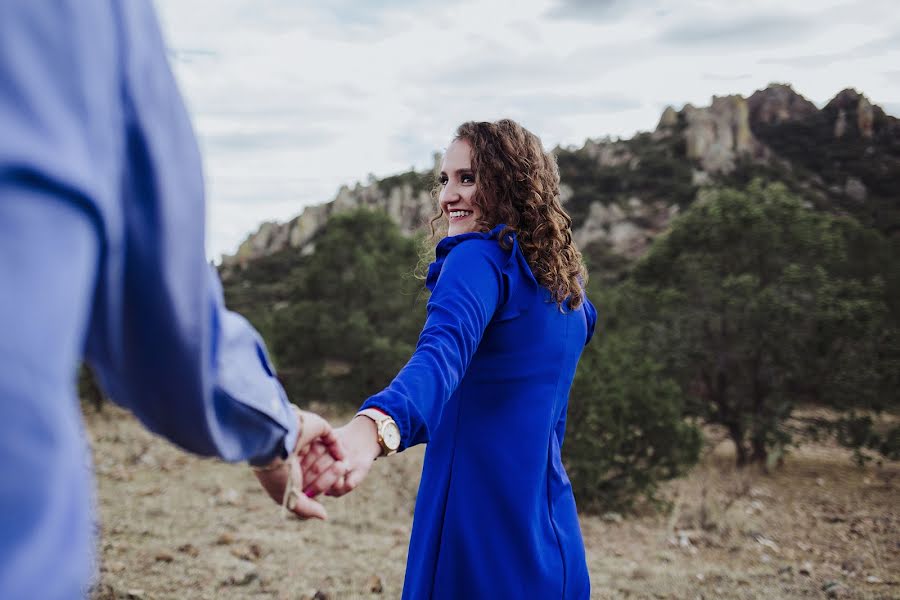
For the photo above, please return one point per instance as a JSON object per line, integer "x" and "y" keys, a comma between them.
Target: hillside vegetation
{"x": 742, "y": 257}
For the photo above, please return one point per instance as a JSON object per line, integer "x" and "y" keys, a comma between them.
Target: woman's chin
{"x": 466, "y": 225}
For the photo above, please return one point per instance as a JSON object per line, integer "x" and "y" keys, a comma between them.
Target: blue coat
{"x": 487, "y": 388}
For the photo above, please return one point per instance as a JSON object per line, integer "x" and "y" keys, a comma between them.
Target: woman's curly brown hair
{"x": 517, "y": 184}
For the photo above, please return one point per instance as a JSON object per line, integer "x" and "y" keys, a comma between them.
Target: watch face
{"x": 391, "y": 436}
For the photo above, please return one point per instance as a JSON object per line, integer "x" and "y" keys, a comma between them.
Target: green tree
{"x": 751, "y": 300}
{"x": 626, "y": 430}
{"x": 340, "y": 321}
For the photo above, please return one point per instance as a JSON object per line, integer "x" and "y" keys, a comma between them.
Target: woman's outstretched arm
{"x": 465, "y": 298}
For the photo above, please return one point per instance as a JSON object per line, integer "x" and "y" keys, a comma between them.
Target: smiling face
{"x": 457, "y": 197}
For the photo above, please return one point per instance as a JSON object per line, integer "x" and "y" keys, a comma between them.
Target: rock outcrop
{"x": 668, "y": 120}
{"x": 621, "y": 202}
{"x": 718, "y": 135}
{"x": 627, "y": 230}
{"x": 865, "y": 117}
{"x": 608, "y": 153}
{"x": 840, "y": 124}
{"x": 851, "y": 107}
{"x": 778, "y": 103}
{"x": 410, "y": 208}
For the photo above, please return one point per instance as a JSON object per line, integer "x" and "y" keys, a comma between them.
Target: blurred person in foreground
{"x": 102, "y": 255}
{"x": 487, "y": 387}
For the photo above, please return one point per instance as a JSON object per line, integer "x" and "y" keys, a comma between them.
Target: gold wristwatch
{"x": 388, "y": 432}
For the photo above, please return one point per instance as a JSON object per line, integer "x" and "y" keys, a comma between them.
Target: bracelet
{"x": 291, "y": 491}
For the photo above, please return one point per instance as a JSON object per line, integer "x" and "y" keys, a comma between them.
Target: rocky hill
{"x": 406, "y": 198}
{"x": 844, "y": 157}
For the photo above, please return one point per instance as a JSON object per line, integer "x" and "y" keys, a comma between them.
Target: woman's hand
{"x": 322, "y": 473}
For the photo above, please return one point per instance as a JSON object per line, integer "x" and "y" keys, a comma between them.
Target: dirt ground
{"x": 175, "y": 526}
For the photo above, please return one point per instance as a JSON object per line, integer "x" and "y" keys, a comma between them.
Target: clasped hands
{"x": 331, "y": 461}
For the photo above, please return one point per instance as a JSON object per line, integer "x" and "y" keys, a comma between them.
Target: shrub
{"x": 626, "y": 432}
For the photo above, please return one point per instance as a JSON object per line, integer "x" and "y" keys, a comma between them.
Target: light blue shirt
{"x": 102, "y": 256}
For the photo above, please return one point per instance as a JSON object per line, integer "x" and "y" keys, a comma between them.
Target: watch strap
{"x": 380, "y": 420}
{"x": 374, "y": 414}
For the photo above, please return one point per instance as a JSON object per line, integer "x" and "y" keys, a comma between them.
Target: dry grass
{"x": 817, "y": 527}
{"x": 174, "y": 526}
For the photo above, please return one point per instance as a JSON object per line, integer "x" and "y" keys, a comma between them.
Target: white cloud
{"x": 292, "y": 98}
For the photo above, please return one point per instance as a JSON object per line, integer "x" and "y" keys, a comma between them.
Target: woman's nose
{"x": 450, "y": 195}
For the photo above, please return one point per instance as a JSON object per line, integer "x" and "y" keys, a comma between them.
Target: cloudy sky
{"x": 293, "y": 98}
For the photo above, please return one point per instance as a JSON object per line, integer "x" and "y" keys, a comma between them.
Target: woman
{"x": 487, "y": 387}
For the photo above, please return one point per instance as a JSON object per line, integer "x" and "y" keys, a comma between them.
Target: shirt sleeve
{"x": 95, "y": 133}
{"x": 465, "y": 298}
{"x": 94, "y": 250}
{"x": 189, "y": 368}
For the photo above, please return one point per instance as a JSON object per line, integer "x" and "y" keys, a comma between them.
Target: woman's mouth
{"x": 459, "y": 214}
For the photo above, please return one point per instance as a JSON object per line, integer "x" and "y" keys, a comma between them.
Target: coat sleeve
{"x": 465, "y": 298}
{"x": 96, "y": 142}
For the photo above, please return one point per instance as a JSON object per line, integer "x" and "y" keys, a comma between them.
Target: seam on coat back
{"x": 552, "y": 432}
{"x": 437, "y": 554}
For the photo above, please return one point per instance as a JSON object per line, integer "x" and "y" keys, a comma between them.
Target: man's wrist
{"x": 284, "y": 451}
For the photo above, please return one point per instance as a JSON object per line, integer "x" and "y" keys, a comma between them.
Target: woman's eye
{"x": 442, "y": 180}
{"x": 467, "y": 178}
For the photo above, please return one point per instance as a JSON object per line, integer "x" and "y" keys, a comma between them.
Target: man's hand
{"x": 315, "y": 432}
{"x": 359, "y": 438}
